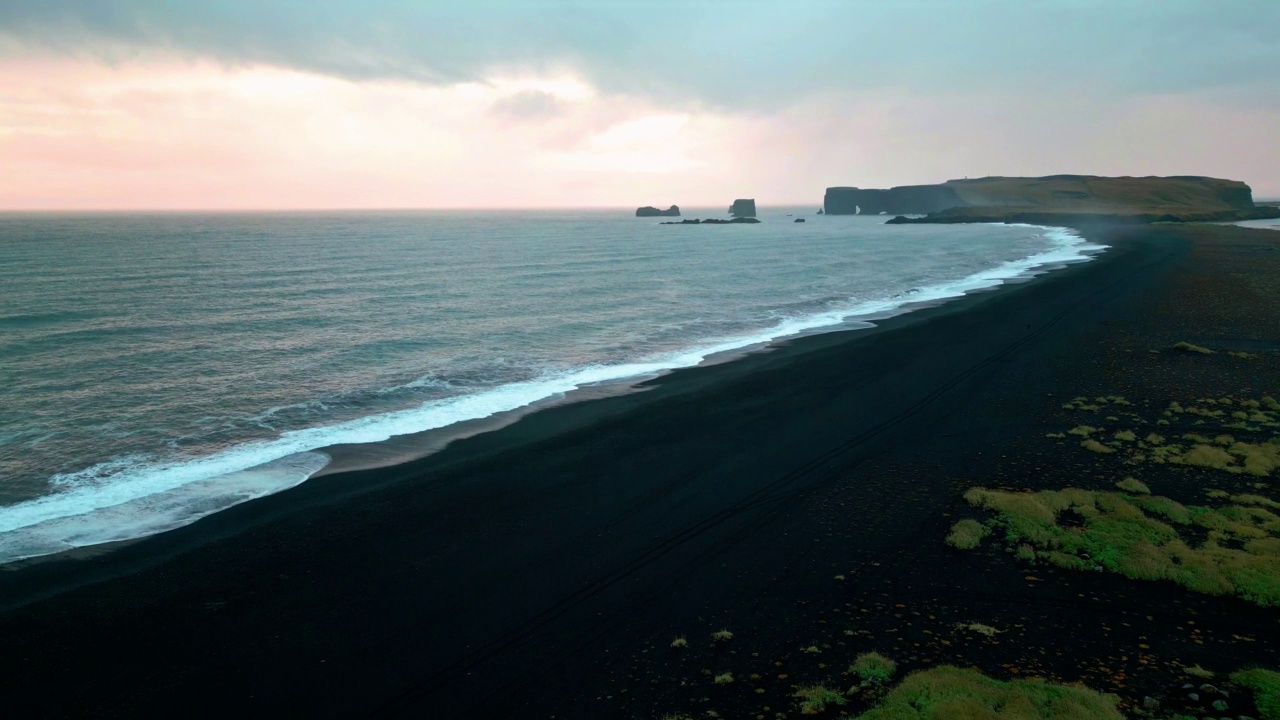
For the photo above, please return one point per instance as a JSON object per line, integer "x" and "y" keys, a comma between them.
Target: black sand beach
{"x": 543, "y": 569}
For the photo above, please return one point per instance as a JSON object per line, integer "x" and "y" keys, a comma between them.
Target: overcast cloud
{"x": 555, "y": 101}
{"x": 738, "y": 53}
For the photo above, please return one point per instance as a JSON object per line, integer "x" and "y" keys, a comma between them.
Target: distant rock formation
{"x": 908, "y": 199}
{"x": 798, "y": 220}
{"x": 650, "y": 211}
{"x": 743, "y": 208}
{"x": 713, "y": 221}
{"x": 1055, "y": 193}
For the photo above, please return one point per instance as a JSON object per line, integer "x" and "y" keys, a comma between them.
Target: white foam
{"x": 130, "y": 498}
{"x": 1268, "y": 224}
{"x": 84, "y": 516}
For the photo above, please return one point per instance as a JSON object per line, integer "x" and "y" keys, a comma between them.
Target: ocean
{"x": 156, "y": 368}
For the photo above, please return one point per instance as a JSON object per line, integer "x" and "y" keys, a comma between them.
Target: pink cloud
{"x": 161, "y": 134}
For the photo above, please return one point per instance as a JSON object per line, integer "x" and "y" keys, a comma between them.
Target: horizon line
{"x": 13, "y": 211}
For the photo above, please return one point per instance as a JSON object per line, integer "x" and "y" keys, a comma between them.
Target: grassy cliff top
{"x": 1117, "y": 195}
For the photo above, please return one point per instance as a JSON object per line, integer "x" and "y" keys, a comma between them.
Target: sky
{"x": 300, "y": 104}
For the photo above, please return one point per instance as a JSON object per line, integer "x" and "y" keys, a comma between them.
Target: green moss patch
{"x": 1258, "y": 455}
{"x": 1265, "y": 685}
{"x": 951, "y": 692}
{"x": 815, "y": 698}
{"x": 967, "y": 534}
{"x": 1133, "y": 485}
{"x": 1095, "y": 446}
{"x": 1145, "y": 537}
{"x": 873, "y": 666}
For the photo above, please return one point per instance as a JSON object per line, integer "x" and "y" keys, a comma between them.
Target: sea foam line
{"x": 106, "y": 504}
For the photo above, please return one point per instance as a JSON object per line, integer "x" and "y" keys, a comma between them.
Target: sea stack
{"x": 650, "y": 211}
{"x": 743, "y": 208}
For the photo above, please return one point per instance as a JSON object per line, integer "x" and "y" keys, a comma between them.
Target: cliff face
{"x": 650, "y": 211}
{"x": 1057, "y": 193}
{"x": 907, "y": 199}
{"x": 743, "y": 208}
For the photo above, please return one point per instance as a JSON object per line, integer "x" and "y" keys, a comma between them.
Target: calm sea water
{"x": 155, "y": 368}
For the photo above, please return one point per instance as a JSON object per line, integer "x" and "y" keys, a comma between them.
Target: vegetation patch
{"x": 1188, "y": 347}
{"x": 951, "y": 692}
{"x": 873, "y": 666}
{"x": 1145, "y": 537}
{"x": 1134, "y": 485}
{"x": 967, "y": 534}
{"x": 1096, "y": 446}
{"x": 980, "y": 629}
{"x": 1197, "y": 671}
{"x": 1258, "y": 455}
{"x": 815, "y": 698}
{"x": 1265, "y": 685}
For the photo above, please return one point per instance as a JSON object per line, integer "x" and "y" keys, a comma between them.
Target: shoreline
{"x": 410, "y": 447}
{"x": 1065, "y": 247}
{"x": 544, "y": 565}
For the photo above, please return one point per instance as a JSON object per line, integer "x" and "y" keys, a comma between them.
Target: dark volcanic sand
{"x": 543, "y": 569}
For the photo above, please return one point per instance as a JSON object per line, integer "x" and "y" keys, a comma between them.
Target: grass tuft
{"x": 724, "y": 678}
{"x": 1207, "y": 456}
{"x": 967, "y": 534}
{"x": 873, "y": 666}
{"x": 1095, "y": 446}
{"x": 981, "y": 629}
{"x": 680, "y": 642}
{"x": 1259, "y": 459}
{"x": 722, "y": 635}
{"x": 1197, "y": 671}
{"x": 1188, "y": 347}
{"x": 815, "y": 698}
{"x": 1134, "y": 485}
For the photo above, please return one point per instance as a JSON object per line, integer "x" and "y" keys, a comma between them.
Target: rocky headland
{"x": 1057, "y": 199}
